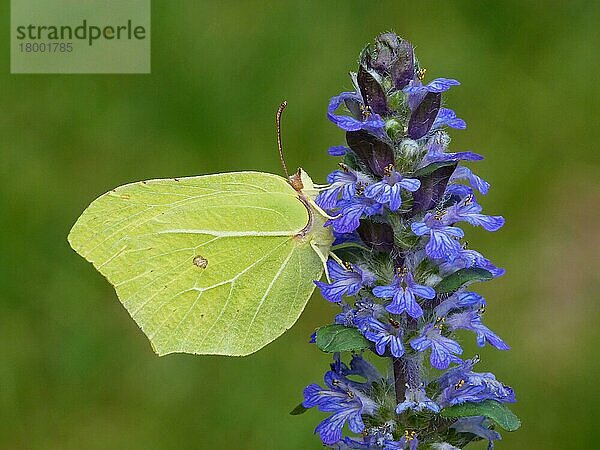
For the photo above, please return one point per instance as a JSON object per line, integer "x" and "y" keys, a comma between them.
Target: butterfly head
{"x": 302, "y": 183}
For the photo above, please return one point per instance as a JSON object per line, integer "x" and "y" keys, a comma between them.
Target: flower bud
{"x": 393, "y": 128}
{"x": 409, "y": 149}
{"x": 386, "y": 46}
{"x": 394, "y": 57}
{"x": 402, "y": 70}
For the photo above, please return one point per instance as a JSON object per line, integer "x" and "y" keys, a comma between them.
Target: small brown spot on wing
{"x": 200, "y": 261}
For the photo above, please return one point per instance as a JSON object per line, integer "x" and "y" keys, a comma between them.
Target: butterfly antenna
{"x": 279, "y": 111}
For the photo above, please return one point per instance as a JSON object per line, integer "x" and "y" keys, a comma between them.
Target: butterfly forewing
{"x": 209, "y": 264}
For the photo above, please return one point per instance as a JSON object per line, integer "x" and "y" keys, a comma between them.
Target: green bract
{"x": 217, "y": 264}
{"x": 462, "y": 277}
{"x": 338, "y": 338}
{"x": 491, "y": 409}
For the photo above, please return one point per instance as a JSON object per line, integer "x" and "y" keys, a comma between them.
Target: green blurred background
{"x": 76, "y": 372}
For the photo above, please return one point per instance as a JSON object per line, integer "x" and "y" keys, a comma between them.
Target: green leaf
{"x": 218, "y": 264}
{"x": 496, "y": 411}
{"x": 460, "y": 278}
{"x": 429, "y": 169}
{"x": 300, "y": 409}
{"x": 338, "y": 338}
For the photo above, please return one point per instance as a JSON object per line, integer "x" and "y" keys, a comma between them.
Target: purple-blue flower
{"x": 457, "y": 190}
{"x": 388, "y": 191}
{"x": 381, "y": 439}
{"x": 369, "y": 121}
{"x": 416, "y": 399}
{"x": 346, "y": 317}
{"x": 403, "y": 292}
{"x": 338, "y": 150}
{"x": 447, "y": 117}
{"x": 356, "y": 316}
{"x": 443, "y": 349}
{"x": 417, "y": 91}
{"x": 345, "y": 402}
{"x": 407, "y": 441}
{"x": 346, "y": 281}
{"x": 466, "y": 258}
{"x": 468, "y": 210}
{"x": 437, "y": 85}
{"x": 458, "y": 300}
{"x": 436, "y": 151}
{"x": 372, "y": 438}
{"x": 351, "y": 211}
{"x": 464, "y": 173}
{"x": 479, "y": 426}
{"x": 363, "y": 368}
{"x": 460, "y": 384}
{"x": 443, "y": 239}
{"x": 384, "y": 336}
{"x": 471, "y": 320}
{"x": 343, "y": 184}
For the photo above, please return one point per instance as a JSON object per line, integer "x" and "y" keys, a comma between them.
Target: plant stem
{"x": 407, "y": 369}
{"x": 407, "y": 372}
{"x": 400, "y": 378}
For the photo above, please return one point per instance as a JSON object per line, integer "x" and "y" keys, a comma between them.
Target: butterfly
{"x": 215, "y": 264}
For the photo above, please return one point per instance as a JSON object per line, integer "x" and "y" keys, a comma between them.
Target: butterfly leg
{"x": 322, "y": 257}
{"x": 320, "y": 210}
{"x": 336, "y": 258}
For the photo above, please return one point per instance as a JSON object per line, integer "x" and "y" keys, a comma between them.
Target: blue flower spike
{"x": 401, "y": 272}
